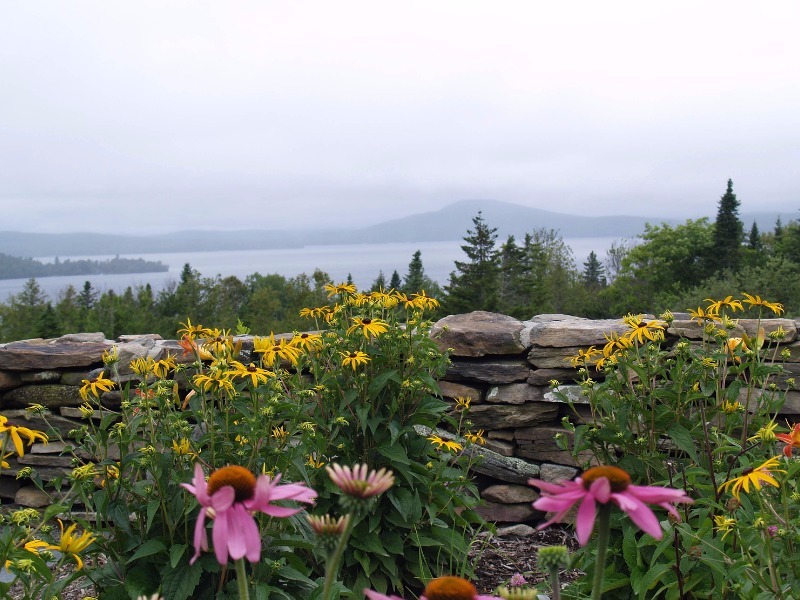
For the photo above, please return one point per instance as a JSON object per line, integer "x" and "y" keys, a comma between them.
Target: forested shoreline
{"x": 14, "y": 267}
{"x": 666, "y": 267}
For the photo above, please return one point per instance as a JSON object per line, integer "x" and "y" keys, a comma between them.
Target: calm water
{"x": 362, "y": 261}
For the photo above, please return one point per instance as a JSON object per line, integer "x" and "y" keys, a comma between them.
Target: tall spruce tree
{"x": 593, "y": 272}
{"x": 394, "y": 282}
{"x": 414, "y": 281}
{"x": 754, "y": 238}
{"x": 474, "y": 284}
{"x": 726, "y": 252}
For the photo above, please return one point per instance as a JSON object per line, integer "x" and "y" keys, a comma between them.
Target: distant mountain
{"x": 448, "y": 223}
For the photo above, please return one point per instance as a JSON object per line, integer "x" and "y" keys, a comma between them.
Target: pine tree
{"x": 414, "y": 281}
{"x": 379, "y": 283}
{"x": 754, "y": 238}
{"x": 394, "y": 282}
{"x": 593, "y": 272}
{"x": 728, "y": 233}
{"x": 513, "y": 299}
{"x": 473, "y": 285}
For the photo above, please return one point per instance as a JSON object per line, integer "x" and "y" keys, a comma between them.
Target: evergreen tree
{"x": 379, "y": 283}
{"x": 728, "y": 233}
{"x": 513, "y": 297}
{"x": 473, "y": 285}
{"x": 414, "y": 281}
{"x": 754, "y": 238}
{"x": 593, "y": 272}
{"x": 394, "y": 282}
{"x": 47, "y": 323}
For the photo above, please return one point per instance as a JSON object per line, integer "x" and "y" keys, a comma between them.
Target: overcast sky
{"x": 160, "y": 116}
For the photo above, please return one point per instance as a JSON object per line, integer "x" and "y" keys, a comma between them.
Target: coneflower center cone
{"x": 618, "y": 478}
{"x": 240, "y": 479}
{"x": 450, "y": 588}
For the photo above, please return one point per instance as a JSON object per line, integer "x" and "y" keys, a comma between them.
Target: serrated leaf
{"x": 176, "y": 553}
{"x": 630, "y": 551}
{"x": 651, "y": 578}
{"x": 149, "y": 548}
{"x": 178, "y": 583}
{"x": 683, "y": 440}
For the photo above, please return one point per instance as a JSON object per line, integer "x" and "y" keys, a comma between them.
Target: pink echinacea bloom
{"x": 603, "y": 485}
{"x": 441, "y": 588}
{"x": 231, "y": 496}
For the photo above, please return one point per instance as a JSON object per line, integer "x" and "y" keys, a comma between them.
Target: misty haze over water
{"x": 362, "y": 261}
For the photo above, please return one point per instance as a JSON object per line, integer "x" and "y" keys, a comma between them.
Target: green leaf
{"x": 629, "y": 549}
{"x": 175, "y": 554}
{"x": 395, "y": 453}
{"x": 179, "y": 583}
{"x": 651, "y": 578}
{"x": 380, "y": 381}
{"x": 149, "y": 548}
{"x": 683, "y": 440}
{"x": 403, "y": 501}
{"x": 369, "y": 543}
{"x": 142, "y": 581}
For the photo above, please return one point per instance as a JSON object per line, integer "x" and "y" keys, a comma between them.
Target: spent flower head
{"x": 359, "y": 481}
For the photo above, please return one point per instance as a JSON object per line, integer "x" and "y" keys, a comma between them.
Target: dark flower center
{"x": 618, "y": 478}
{"x": 450, "y": 588}
{"x": 240, "y": 479}
{"x": 366, "y": 321}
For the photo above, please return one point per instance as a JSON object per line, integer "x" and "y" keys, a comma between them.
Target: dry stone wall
{"x": 503, "y": 364}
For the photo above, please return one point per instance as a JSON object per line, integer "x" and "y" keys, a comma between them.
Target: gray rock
{"x": 789, "y": 326}
{"x": 501, "y": 434}
{"x": 688, "y": 329}
{"x": 509, "y": 494}
{"x": 40, "y": 376}
{"x": 574, "y": 331}
{"x": 60, "y": 424}
{"x": 539, "y": 443}
{"x": 555, "y": 473}
{"x": 141, "y": 338}
{"x": 9, "y": 380}
{"x": 501, "y": 447}
{"x": 489, "y": 371}
{"x": 487, "y": 416}
{"x": 9, "y": 487}
{"x": 574, "y": 394}
{"x": 32, "y": 497}
{"x": 507, "y": 513}
{"x": 552, "y": 358}
{"x": 520, "y": 530}
{"x": 450, "y": 389}
{"x": 45, "y": 460}
{"x": 43, "y": 355}
{"x": 515, "y": 393}
{"x": 479, "y": 333}
{"x": 47, "y": 394}
{"x": 83, "y": 337}
{"x": 545, "y": 376}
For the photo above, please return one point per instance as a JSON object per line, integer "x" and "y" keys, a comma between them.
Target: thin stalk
{"x": 241, "y": 580}
{"x": 555, "y": 585}
{"x": 603, "y": 528}
{"x": 332, "y": 564}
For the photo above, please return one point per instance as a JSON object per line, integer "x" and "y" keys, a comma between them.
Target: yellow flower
{"x": 256, "y": 374}
{"x": 642, "y": 330}
{"x": 765, "y": 433}
{"x": 182, "y": 448}
{"x": 731, "y": 407}
{"x": 755, "y": 476}
{"x": 307, "y": 341}
{"x": 463, "y": 402}
{"x": 280, "y": 434}
{"x": 724, "y": 524}
{"x": 70, "y": 544}
{"x": 110, "y": 356}
{"x": 314, "y": 463}
{"x": 84, "y": 472}
{"x": 161, "y": 368}
{"x": 219, "y": 342}
{"x": 716, "y": 306}
{"x": 775, "y": 307}
{"x": 702, "y": 316}
{"x": 584, "y": 357}
{"x": 354, "y": 358}
{"x": 15, "y": 433}
{"x": 342, "y": 288}
{"x": 318, "y": 312}
{"x": 369, "y": 327}
{"x": 476, "y": 438}
{"x": 93, "y": 387}
{"x": 4, "y": 463}
{"x": 275, "y": 350}
{"x": 446, "y": 444}
{"x": 143, "y": 366}
{"x": 424, "y": 302}
{"x": 191, "y": 332}
{"x": 214, "y": 380}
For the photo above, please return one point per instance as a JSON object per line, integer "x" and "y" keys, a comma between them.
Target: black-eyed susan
{"x": 449, "y": 445}
{"x": 369, "y": 327}
{"x": 423, "y": 301}
{"x": 143, "y": 366}
{"x": 214, "y": 381}
{"x": 643, "y": 330}
{"x": 318, "y": 312}
{"x": 775, "y": 307}
{"x": 725, "y": 525}
{"x": 191, "y": 332}
{"x": 584, "y": 357}
{"x": 94, "y": 387}
{"x": 256, "y": 375}
{"x": 162, "y": 367}
{"x": 307, "y": 341}
{"x": 755, "y": 476}
{"x": 219, "y": 343}
{"x": 476, "y": 437}
{"x": 717, "y": 306}
{"x": 183, "y": 447}
{"x": 354, "y": 359}
{"x": 341, "y": 289}
{"x": 273, "y": 351}
{"x": 15, "y": 433}
{"x": 72, "y": 545}
{"x": 703, "y": 316}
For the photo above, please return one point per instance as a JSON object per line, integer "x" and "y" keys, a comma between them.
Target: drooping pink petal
{"x": 373, "y": 595}
{"x": 200, "y": 537}
{"x": 242, "y": 532}
{"x": 219, "y": 534}
{"x": 584, "y": 523}
{"x": 223, "y": 498}
{"x": 198, "y": 487}
{"x": 600, "y": 489}
{"x": 553, "y": 488}
{"x": 644, "y": 518}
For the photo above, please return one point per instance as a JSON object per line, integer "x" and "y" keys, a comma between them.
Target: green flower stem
{"x": 555, "y": 585}
{"x": 334, "y": 558}
{"x": 241, "y": 580}
{"x": 603, "y": 527}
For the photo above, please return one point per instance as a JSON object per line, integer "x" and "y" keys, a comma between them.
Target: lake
{"x": 362, "y": 261}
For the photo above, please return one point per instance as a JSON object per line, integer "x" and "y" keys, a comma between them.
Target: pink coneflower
{"x": 603, "y": 485}
{"x": 359, "y": 482}
{"x": 231, "y": 496}
{"x": 441, "y": 588}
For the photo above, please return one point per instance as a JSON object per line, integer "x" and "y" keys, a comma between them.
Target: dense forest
{"x": 13, "y": 267}
{"x": 666, "y": 267}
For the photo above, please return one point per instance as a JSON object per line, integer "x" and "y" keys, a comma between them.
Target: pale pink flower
{"x": 359, "y": 481}
{"x": 441, "y": 588}
{"x": 603, "y": 485}
{"x": 231, "y": 496}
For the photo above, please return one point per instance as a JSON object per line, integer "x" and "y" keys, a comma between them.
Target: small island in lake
{"x": 14, "y": 267}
